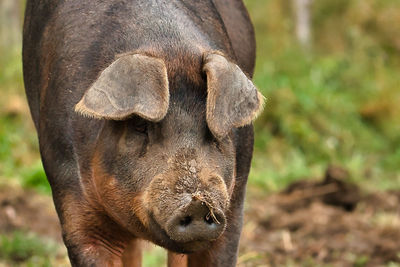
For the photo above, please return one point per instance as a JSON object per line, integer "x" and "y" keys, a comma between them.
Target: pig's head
{"x": 164, "y": 163}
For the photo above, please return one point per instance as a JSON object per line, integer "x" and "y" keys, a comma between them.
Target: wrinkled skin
{"x": 117, "y": 180}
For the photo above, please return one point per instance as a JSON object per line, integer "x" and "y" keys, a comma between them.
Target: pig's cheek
{"x": 149, "y": 202}
{"x": 138, "y": 209}
{"x": 112, "y": 195}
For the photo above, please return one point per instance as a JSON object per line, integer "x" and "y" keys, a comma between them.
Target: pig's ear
{"x": 133, "y": 84}
{"x": 232, "y": 100}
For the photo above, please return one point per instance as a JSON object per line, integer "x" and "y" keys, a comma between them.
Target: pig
{"x": 144, "y": 112}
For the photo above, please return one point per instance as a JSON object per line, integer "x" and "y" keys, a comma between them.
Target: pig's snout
{"x": 196, "y": 222}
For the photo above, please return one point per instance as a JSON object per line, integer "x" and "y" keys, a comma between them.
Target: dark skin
{"x": 66, "y": 46}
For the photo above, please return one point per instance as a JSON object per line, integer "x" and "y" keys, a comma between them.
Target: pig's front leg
{"x": 91, "y": 237}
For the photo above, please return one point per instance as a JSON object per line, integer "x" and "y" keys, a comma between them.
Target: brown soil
{"x": 328, "y": 223}
{"x": 310, "y": 223}
{"x": 25, "y": 210}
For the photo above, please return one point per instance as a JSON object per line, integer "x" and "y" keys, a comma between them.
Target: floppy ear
{"x": 132, "y": 84}
{"x": 232, "y": 100}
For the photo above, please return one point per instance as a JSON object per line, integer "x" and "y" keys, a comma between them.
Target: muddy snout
{"x": 196, "y": 222}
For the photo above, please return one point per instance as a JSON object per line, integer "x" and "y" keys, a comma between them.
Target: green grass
{"x": 154, "y": 257}
{"x": 26, "y": 249}
{"x": 19, "y": 157}
{"x": 336, "y": 103}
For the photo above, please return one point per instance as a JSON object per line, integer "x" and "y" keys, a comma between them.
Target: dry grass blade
{"x": 198, "y": 196}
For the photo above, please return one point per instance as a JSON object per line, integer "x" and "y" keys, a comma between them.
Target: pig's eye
{"x": 140, "y": 126}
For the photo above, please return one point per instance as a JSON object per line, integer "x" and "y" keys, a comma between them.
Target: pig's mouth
{"x": 161, "y": 238}
{"x": 188, "y": 232}
{"x": 196, "y": 222}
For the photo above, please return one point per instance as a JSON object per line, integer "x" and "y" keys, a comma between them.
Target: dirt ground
{"x": 311, "y": 223}
{"x": 322, "y": 223}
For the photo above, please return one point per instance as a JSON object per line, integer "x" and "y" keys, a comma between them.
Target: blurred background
{"x": 324, "y": 189}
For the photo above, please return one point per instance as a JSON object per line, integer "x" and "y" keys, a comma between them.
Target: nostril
{"x": 185, "y": 221}
{"x": 208, "y": 218}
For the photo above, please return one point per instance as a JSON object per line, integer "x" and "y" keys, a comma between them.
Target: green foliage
{"x": 35, "y": 177}
{"x": 11, "y": 68}
{"x": 336, "y": 102}
{"x": 154, "y": 257}
{"x": 27, "y": 249}
{"x": 19, "y": 157}
{"x": 360, "y": 261}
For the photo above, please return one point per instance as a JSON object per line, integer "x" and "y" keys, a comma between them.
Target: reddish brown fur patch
{"x": 187, "y": 64}
{"x": 132, "y": 256}
{"x": 48, "y": 61}
{"x": 139, "y": 210}
{"x": 177, "y": 260}
{"x": 86, "y": 230}
{"x": 106, "y": 191}
{"x": 99, "y": 178}
{"x": 90, "y": 227}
